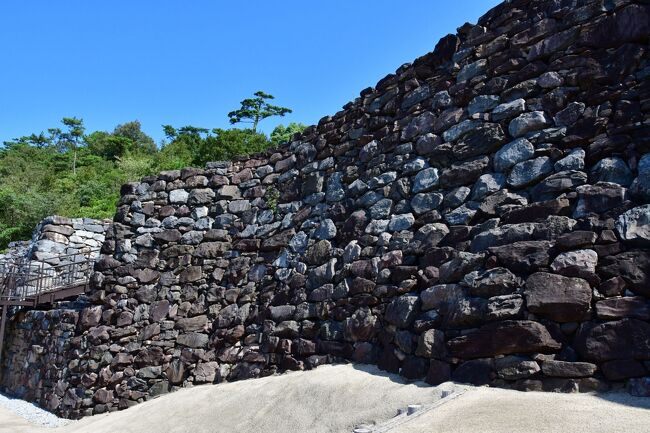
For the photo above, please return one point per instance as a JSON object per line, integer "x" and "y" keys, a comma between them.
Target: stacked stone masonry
{"x": 56, "y": 242}
{"x": 481, "y": 215}
{"x": 57, "y": 236}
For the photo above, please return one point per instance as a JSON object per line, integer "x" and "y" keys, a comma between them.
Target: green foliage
{"x": 190, "y": 145}
{"x": 20, "y": 212}
{"x": 107, "y": 145}
{"x": 283, "y": 134}
{"x": 253, "y": 110}
{"x": 40, "y": 140}
{"x": 139, "y": 141}
{"x": 69, "y": 173}
{"x": 272, "y": 197}
{"x": 226, "y": 144}
{"x": 126, "y": 138}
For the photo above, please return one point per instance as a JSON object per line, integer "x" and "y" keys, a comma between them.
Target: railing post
{"x": 3, "y": 311}
{"x": 72, "y": 270}
{"x": 41, "y": 278}
{"x": 28, "y": 280}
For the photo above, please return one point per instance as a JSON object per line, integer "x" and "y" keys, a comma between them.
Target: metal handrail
{"x": 22, "y": 279}
{"x": 19, "y": 285}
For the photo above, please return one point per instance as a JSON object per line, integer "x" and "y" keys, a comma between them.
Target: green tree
{"x": 141, "y": 142}
{"x": 253, "y": 110}
{"x": 196, "y": 146}
{"x": 40, "y": 140}
{"x": 226, "y": 144}
{"x": 283, "y": 134}
{"x": 36, "y": 179}
{"x": 107, "y": 145}
{"x": 125, "y": 138}
{"x": 186, "y": 142}
{"x": 70, "y": 139}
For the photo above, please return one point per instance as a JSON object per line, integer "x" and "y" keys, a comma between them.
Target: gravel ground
{"x": 31, "y": 412}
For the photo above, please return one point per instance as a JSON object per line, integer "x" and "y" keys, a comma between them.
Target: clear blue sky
{"x": 191, "y": 62}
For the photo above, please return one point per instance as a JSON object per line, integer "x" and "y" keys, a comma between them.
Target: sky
{"x": 191, "y": 62}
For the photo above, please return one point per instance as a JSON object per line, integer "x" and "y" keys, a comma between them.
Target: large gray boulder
{"x": 492, "y": 282}
{"x": 482, "y": 104}
{"x": 440, "y": 295}
{"x": 515, "y": 367}
{"x": 578, "y": 263}
{"x": 613, "y": 170}
{"x": 512, "y": 153}
{"x": 599, "y": 198}
{"x": 487, "y": 184}
{"x": 431, "y": 344}
{"x": 527, "y": 172}
{"x": 509, "y": 109}
{"x": 634, "y": 225}
{"x": 481, "y": 140}
{"x": 528, "y": 122}
{"x": 575, "y": 160}
{"x": 554, "y": 368}
{"x": 425, "y": 180}
{"x": 402, "y": 311}
{"x": 569, "y": 115}
{"x": 425, "y": 202}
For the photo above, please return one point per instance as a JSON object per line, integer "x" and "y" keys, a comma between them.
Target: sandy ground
{"x": 490, "y": 410}
{"x": 328, "y": 399}
{"x": 339, "y": 398}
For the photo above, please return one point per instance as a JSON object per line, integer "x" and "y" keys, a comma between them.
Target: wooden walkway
{"x": 30, "y": 283}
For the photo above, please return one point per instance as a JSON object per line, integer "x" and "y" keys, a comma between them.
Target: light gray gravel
{"x": 31, "y": 412}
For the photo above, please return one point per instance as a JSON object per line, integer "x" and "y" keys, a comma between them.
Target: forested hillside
{"x": 67, "y": 171}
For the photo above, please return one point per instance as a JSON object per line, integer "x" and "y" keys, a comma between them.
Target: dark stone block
{"x": 439, "y": 372}
{"x": 622, "y": 369}
{"x": 403, "y": 310}
{"x": 524, "y": 256}
{"x": 504, "y": 338}
{"x": 630, "y": 24}
{"x": 388, "y": 361}
{"x": 632, "y": 266}
{"x": 477, "y": 372}
{"x": 623, "y": 339}
{"x": 414, "y": 367}
{"x": 635, "y": 307}
{"x": 559, "y": 298}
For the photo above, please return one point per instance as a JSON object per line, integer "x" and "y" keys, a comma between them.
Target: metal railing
{"x": 25, "y": 279}
{"x": 31, "y": 283}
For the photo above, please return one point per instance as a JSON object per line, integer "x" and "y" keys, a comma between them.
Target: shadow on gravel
{"x": 625, "y": 399}
{"x": 621, "y": 396}
{"x": 373, "y": 369}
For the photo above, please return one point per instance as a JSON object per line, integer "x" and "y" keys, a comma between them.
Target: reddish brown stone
{"x": 559, "y": 298}
{"x": 504, "y": 338}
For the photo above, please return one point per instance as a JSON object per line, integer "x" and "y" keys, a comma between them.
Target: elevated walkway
{"x": 30, "y": 283}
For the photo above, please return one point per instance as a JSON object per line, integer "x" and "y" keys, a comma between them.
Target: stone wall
{"x": 37, "y": 354}
{"x": 56, "y": 236}
{"x": 56, "y": 242}
{"x": 481, "y": 215}
{"x": 33, "y": 360}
